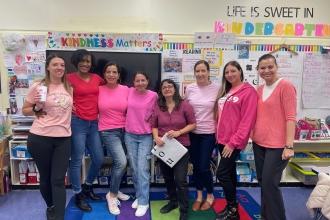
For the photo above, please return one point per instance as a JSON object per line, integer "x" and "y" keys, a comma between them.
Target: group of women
{"x": 127, "y": 121}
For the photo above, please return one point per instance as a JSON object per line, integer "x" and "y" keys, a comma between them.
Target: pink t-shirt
{"x": 202, "y": 99}
{"x": 112, "y": 106}
{"x": 85, "y": 95}
{"x": 139, "y": 111}
{"x": 273, "y": 113}
{"x": 58, "y": 105}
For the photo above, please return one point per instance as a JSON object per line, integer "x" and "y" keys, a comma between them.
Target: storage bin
{"x": 306, "y": 176}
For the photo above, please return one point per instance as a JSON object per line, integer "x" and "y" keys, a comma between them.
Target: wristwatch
{"x": 288, "y": 147}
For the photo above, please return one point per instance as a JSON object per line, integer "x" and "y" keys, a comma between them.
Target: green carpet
{"x": 155, "y": 214}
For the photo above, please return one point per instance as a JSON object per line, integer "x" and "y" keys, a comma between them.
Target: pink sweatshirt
{"x": 273, "y": 113}
{"x": 238, "y": 117}
{"x": 139, "y": 111}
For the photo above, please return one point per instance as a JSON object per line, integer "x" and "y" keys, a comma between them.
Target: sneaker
{"x": 135, "y": 204}
{"x": 122, "y": 196}
{"x": 141, "y": 210}
{"x": 113, "y": 204}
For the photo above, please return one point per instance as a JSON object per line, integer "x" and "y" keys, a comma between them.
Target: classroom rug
{"x": 248, "y": 208}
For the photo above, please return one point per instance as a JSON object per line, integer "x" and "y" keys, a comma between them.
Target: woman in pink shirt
{"x": 201, "y": 95}
{"x": 138, "y": 138}
{"x": 273, "y": 135}
{"x": 112, "y": 105}
{"x": 235, "y": 110}
{"x": 49, "y": 139}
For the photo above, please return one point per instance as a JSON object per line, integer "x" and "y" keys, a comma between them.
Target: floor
{"x": 28, "y": 204}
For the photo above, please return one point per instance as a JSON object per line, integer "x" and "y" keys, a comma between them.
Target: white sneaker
{"x": 141, "y": 210}
{"x": 135, "y": 204}
{"x": 122, "y": 196}
{"x": 113, "y": 204}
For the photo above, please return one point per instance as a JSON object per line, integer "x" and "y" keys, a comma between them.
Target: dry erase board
{"x": 130, "y": 62}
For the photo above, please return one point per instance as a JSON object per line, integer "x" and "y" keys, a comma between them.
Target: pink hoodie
{"x": 238, "y": 117}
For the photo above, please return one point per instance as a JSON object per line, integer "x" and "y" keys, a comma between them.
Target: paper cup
{"x": 43, "y": 93}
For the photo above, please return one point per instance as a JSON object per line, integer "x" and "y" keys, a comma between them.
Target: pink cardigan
{"x": 273, "y": 113}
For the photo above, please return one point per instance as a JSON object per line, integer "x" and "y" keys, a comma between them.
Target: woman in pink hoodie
{"x": 235, "y": 111}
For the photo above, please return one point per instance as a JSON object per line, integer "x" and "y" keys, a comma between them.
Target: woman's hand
{"x": 159, "y": 142}
{"x": 227, "y": 151}
{"x": 39, "y": 104}
{"x": 173, "y": 134}
{"x": 287, "y": 153}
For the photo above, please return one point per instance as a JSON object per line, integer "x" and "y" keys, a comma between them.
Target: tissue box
{"x": 20, "y": 151}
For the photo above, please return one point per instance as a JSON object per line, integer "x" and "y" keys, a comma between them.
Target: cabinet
{"x": 22, "y": 167}
{"x": 318, "y": 152}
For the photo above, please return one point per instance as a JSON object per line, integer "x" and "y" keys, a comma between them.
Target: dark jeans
{"x": 226, "y": 175}
{"x": 269, "y": 167}
{"x": 200, "y": 151}
{"x": 176, "y": 182}
{"x": 51, "y": 155}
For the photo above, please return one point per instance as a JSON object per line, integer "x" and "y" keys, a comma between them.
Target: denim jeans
{"x": 113, "y": 140}
{"x": 200, "y": 152}
{"x": 139, "y": 155}
{"x": 84, "y": 134}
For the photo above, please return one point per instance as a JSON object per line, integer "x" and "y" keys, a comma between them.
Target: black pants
{"x": 269, "y": 167}
{"x": 176, "y": 182}
{"x": 226, "y": 175}
{"x": 51, "y": 155}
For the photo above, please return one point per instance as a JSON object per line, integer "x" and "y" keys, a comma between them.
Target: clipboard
{"x": 171, "y": 152}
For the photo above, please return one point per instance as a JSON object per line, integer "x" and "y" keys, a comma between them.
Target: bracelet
{"x": 288, "y": 147}
{"x": 35, "y": 110}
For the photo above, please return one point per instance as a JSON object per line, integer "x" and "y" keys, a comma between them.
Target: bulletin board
{"x": 311, "y": 79}
{"x": 308, "y": 70}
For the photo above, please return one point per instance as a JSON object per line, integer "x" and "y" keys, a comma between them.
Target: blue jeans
{"x": 113, "y": 140}
{"x": 139, "y": 155}
{"x": 200, "y": 151}
{"x": 84, "y": 134}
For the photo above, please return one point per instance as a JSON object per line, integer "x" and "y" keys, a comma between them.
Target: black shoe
{"x": 88, "y": 192}
{"x": 231, "y": 214}
{"x": 183, "y": 216}
{"x": 222, "y": 213}
{"x": 81, "y": 203}
{"x": 50, "y": 213}
{"x": 168, "y": 207}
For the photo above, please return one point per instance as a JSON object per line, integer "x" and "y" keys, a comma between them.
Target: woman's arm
{"x": 177, "y": 133}
{"x": 158, "y": 140}
{"x": 27, "y": 108}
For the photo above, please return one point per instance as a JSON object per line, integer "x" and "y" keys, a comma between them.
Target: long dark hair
{"x": 226, "y": 86}
{"x": 176, "y": 97}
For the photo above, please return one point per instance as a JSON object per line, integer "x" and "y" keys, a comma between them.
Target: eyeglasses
{"x": 167, "y": 87}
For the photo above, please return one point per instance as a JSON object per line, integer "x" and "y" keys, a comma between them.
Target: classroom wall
{"x": 177, "y": 19}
